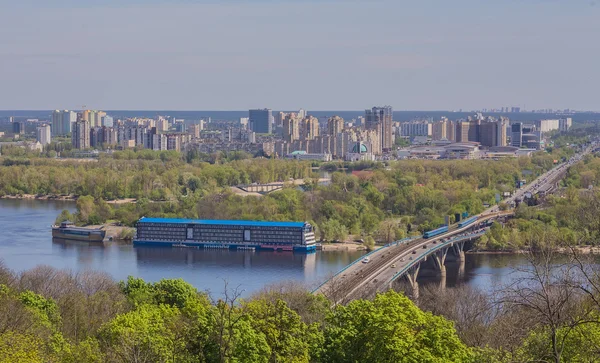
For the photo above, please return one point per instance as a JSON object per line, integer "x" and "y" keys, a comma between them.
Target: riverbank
{"x": 343, "y": 246}
{"x": 63, "y": 198}
{"x": 582, "y": 250}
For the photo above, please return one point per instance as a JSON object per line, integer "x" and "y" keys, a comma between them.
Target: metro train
{"x": 444, "y": 229}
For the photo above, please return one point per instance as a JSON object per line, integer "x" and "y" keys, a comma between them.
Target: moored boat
{"x": 68, "y": 230}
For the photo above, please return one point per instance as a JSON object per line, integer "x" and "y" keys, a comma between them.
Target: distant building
{"x": 492, "y": 133}
{"x": 359, "y": 151}
{"x": 62, "y": 122}
{"x": 303, "y": 155}
{"x": 516, "y": 134}
{"x": 194, "y": 130}
{"x": 18, "y": 127}
{"x": 416, "y": 128}
{"x": 279, "y": 117}
{"x": 462, "y": 150}
{"x": 260, "y": 121}
{"x": 439, "y": 130}
{"x": 547, "y": 125}
{"x": 291, "y": 127}
{"x": 96, "y": 137}
{"x": 564, "y": 124}
{"x": 309, "y": 128}
{"x": 335, "y": 125}
{"x": 107, "y": 121}
{"x": 380, "y": 119}
{"x": 80, "y": 135}
{"x": 43, "y": 134}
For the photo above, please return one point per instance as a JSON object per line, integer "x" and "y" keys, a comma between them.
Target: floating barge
{"x": 225, "y": 234}
{"x": 67, "y": 230}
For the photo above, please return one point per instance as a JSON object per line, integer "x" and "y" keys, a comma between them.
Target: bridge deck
{"x": 377, "y": 274}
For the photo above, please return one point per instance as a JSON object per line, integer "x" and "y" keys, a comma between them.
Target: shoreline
{"x": 61, "y": 198}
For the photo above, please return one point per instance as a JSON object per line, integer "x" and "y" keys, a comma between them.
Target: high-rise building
{"x": 335, "y": 125}
{"x": 302, "y": 113}
{"x": 440, "y": 130}
{"x": 279, "y": 117}
{"x": 380, "y": 119}
{"x": 107, "y": 121}
{"x": 310, "y": 128}
{"x": 194, "y": 130}
{"x": 260, "y": 121}
{"x": 565, "y": 124}
{"x": 96, "y": 137}
{"x": 80, "y": 135}
{"x": 62, "y": 122}
{"x": 416, "y": 128}
{"x": 462, "y": 131}
{"x": 451, "y": 130}
{"x": 18, "y": 127}
{"x": 291, "y": 127}
{"x": 162, "y": 124}
{"x": 43, "y": 134}
{"x": 488, "y": 134}
{"x": 516, "y": 134}
{"x": 548, "y": 125}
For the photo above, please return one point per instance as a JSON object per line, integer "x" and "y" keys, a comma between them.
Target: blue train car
{"x": 435, "y": 232}
{"x": 466, "y": 222}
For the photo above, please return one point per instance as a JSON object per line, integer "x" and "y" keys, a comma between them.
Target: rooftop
{"x": 222, "y": 222}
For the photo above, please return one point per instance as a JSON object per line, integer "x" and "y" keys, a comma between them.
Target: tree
{"x": 174, "y": 292}
{"x": 390, "y": 329}
{"x": 20, "y": 348}
{"x": 286, "y": 334}
{"x": 65, "y": 215}
{"x": 143, "y": 335}
{"x": 549, "y": 292}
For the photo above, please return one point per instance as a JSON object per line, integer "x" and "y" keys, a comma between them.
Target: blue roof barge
{"x": 226, "y": 234}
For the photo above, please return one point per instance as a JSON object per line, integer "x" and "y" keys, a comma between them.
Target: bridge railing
{"x": 395, "y": 243}
{"x": 440, "y": 246}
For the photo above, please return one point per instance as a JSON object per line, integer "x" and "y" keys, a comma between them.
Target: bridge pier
{"x": 461, "y": 269}
{"x": 411, "y": 276}
{"x": 459, "y": 250}
{"x": 439, "y": 260}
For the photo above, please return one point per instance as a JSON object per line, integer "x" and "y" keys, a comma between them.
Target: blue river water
{"x": 26, "y": 241}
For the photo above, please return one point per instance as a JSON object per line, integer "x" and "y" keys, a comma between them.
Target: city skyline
{"x": 177, "y": 55}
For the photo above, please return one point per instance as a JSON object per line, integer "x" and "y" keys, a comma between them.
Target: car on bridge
{"x": 366, "y": 260}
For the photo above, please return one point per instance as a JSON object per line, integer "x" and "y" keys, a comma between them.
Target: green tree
{"x": 144, "y": 335}
{"x": 390, "y": 329}
{"x": 286, "y": 334}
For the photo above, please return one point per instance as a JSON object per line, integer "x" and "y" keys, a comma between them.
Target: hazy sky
{"x": 287, "y": 54}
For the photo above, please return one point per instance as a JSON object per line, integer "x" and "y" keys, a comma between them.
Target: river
{"x": 26, "y": 241}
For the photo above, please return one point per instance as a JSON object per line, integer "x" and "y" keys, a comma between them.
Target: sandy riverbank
{"x": 342, "y": 246}
{"x": 69, "y": 198}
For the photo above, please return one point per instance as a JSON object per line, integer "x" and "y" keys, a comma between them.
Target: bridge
{"x": 271, "y": 187}
{"x": 380, "y": 269}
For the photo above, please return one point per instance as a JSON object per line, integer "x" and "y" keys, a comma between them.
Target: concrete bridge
{"x": 271, "y": 187}
{"x": 404, "y": 259}
{"x": 261, "y": 188}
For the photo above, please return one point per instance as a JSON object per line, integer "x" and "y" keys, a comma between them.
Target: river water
{"x": 26, "y": 241}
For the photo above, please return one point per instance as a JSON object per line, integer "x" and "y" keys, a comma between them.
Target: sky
{"x": 291, "y": 54}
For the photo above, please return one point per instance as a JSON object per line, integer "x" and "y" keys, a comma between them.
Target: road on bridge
{"x": 362, "y": 278}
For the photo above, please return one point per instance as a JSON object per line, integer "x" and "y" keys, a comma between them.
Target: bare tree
{"x": 226, "y": 320}
{"x": 547, "y": 292}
